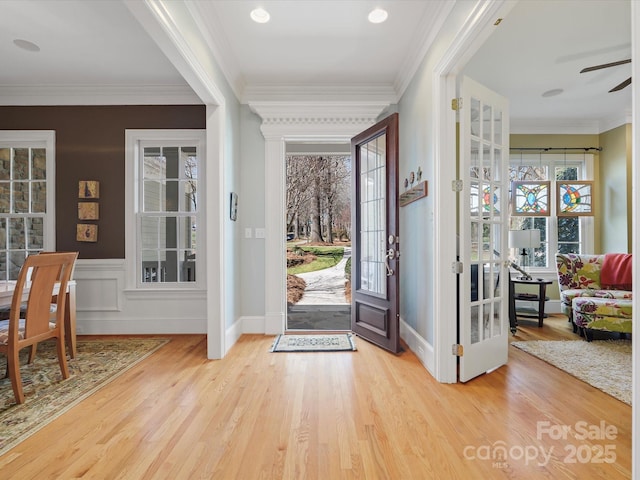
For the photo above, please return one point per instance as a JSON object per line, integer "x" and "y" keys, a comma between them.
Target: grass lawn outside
{"x": 326, "y": 257}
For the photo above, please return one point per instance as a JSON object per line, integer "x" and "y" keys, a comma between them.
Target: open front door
{"x": 374, "y": 267}
{"x": 484, "y": 282}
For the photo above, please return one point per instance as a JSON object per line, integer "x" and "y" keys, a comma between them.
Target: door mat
{"x": 338, "y": 342}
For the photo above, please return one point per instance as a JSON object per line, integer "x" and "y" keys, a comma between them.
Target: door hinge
{"x": 457, "y": 350}
{"x": 456, "y": 267}
{"x": 456, "y": 104}
{"x": 457, "y": 185}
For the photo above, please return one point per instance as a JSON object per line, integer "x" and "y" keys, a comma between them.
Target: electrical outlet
{"x": 260, "y": 232}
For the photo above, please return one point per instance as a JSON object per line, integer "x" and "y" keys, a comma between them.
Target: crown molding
{"x": 212, "y": 32}
{"x": 221, "y": 50}
{"x": 560, "y": 126}
{"x": 23, "y": 95}
{"x": 430, "y": 26}
{"x": 615, "y": 121}
{"x": 567, "y": 126}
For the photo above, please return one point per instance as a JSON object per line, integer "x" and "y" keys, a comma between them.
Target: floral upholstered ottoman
{"x": 607, "y": 314}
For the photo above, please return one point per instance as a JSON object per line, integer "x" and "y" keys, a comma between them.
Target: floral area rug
{"x": 47, "y": 395}
{"x": 314, "y": 343}
{"x": 603, "y": 364}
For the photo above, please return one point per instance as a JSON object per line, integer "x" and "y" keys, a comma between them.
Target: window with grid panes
{"x": 26, "y": 198}
{"x": 167, "y": 209}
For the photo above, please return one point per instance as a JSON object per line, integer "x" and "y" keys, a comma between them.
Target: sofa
{"x": 596, "y": 292}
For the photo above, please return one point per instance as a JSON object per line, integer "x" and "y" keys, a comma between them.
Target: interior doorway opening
{"x": 318, "y": 237}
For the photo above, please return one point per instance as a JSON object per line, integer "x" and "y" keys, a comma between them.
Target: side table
{"x": 514, "y": 296}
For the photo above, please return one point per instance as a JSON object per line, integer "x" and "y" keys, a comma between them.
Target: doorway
{"x": 318, "y": 237}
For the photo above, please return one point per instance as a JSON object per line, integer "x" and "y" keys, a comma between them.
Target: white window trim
{"x": 133, "y": 137}
{"x": 39, "y": 139}
{"x": 586, "y": 222}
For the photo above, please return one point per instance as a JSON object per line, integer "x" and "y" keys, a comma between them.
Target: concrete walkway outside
{"x": 324, "y": 305}
{"x": 326, "y": 287}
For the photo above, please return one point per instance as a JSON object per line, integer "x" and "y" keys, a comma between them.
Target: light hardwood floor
{"x": 365, "y": 414}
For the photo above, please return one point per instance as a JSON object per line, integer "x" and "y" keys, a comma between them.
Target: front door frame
{"x": 296, "y": 122}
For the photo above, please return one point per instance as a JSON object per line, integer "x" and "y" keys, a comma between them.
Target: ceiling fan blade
{"x": 605, "y": 65}
{"x": 626, "y": 83}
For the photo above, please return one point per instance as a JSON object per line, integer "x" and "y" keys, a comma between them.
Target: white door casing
{"x": 282, "y": 122}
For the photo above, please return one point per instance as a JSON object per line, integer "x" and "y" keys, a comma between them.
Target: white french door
{"x": 483, "y": 214}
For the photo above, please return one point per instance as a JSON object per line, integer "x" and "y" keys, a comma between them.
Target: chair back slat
{"x": 46, "y": 272}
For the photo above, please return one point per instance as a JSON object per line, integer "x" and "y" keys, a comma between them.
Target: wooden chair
{"x": 69, "y": 315}
{"x": 49, "y": 275}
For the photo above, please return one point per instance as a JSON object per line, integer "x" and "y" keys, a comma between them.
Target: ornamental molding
{"x": 319, "y": 118}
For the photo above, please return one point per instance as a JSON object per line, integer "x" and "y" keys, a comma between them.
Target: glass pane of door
{"x": 373, "y": 237}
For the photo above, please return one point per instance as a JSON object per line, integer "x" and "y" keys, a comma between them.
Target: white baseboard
{"x": 419, "y": 346}
{"x": 232, "y": 334}
{"x": 253, "y": 324}
{"x": 249, "y": 325}
{"x": 552, "y": 306}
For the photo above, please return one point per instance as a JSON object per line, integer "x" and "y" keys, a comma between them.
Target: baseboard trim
{"x": 253, "y": 324}
{"x": 419, "y": 346}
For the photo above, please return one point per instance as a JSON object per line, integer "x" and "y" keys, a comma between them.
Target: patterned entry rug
{"x": 47, "y": 395}
{"x": 314, "y": 343}
{"x": 603, "y": 364}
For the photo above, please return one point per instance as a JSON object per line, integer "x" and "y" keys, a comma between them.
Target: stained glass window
{"x": 530, "y": 198}
{"x": 574, "y": 198}
{"x": 491, "y": 199}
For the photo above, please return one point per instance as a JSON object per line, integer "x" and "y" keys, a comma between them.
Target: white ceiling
{"x": 92, "y": 49}
{"x": 543, "y": 45}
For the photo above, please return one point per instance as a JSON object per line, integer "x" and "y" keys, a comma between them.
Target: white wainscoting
{"x": 104, "y": 306}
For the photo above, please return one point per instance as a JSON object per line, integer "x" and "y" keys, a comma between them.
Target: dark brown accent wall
{"x": 90, "y": 146}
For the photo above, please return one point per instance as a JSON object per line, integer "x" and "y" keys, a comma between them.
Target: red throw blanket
{"x": 616, "y": 271}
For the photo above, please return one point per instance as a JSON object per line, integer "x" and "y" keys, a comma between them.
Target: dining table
{"x": 6, "y": 296}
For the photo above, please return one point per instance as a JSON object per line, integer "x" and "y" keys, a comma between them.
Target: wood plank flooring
{"x": 363, "y": 415}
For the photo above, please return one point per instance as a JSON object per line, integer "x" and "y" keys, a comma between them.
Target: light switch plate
{"x": 248, "y": 233}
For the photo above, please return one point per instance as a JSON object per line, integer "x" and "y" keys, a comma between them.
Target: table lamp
{"x": 524, "y": 240}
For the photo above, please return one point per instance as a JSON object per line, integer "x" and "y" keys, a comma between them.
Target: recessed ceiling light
{"x": 378, "y": 15}
{"x": 26, "y": 45}
{"x": 553, "y": 92}
{"x": 260, "y": 15}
